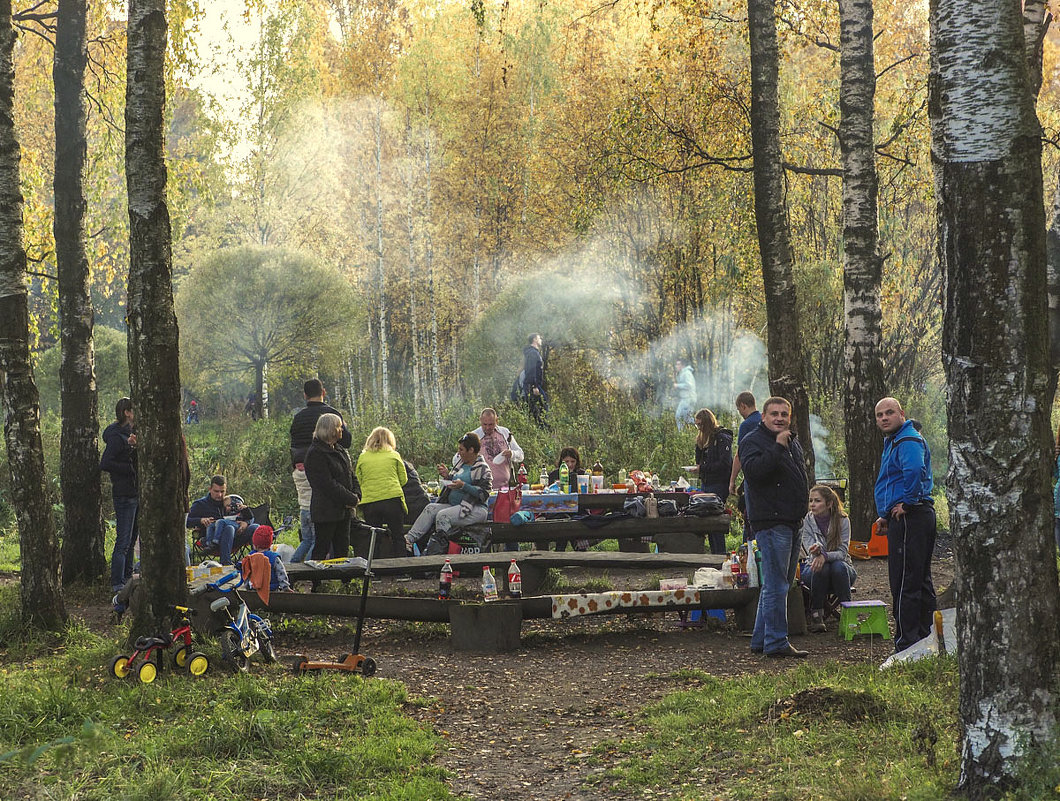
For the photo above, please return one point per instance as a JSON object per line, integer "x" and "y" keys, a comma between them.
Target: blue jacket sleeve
{"x": 910, "y": 454}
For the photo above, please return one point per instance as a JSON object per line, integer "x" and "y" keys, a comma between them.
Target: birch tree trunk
{"x": 428, "y": 254}
{"x": 988, "y": 184}
{"x": 384, "y": 350}
{"x": 83, "y": 555}
{"x": 862, "y": 263}
{"x": 42, "y": 600}
{"x": 787, "y": 363}
{"x": 153, "y": 346}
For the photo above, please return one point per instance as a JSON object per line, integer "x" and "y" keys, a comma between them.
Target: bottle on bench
{"x": 445, "y": 581}
{"x": 489, "y": 584}
{"x": 515, "y": 580}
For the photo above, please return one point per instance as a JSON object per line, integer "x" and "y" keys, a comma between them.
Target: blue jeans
{"x": 834, "y": 577}
{"x": 779, "y": 547}
{"x": 309, "y": 537}
{"x": 226, "y": 536}
{"x": 1056, "y": 531}
{"x": 121, "y": 561}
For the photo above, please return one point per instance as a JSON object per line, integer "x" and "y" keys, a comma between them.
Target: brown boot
{"x": 816, "y": 621}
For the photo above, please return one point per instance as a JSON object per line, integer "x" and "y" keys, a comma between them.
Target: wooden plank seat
{"x": 532, "y": 563}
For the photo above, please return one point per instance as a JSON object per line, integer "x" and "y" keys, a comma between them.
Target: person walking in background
{"x": 685, "y": 388}
{"x": 302, "y": 427}
{"x": 534, "y": 378}
{"x": 381, "y": 475}
{"x": 335, "y": 490}
{"x": 119, "y": 459}
{"x": 825, "y": 536}
{"x": 773, "y": 466}
{"x": 907, "y": 513}
{"x": 713, "y": 463}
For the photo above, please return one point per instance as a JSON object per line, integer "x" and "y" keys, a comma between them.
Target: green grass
{"x": 68, "y": 730}
{"x": 815, "y": 732}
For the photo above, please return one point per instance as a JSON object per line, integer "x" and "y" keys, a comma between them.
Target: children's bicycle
{"x": 149, "y": 651}
{"x": 245, "y": 634}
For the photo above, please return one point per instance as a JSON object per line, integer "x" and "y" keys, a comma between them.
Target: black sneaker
{"x": 791, "y": 651}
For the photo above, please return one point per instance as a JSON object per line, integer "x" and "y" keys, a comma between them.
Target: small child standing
{"x": 262, "y": 542}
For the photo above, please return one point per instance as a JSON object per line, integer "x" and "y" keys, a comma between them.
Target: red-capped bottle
{"x": 445, "y": 581}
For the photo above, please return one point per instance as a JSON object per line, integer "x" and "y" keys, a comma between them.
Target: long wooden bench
{"x": 491, "y": 627}
{"x": 533, "y": 564}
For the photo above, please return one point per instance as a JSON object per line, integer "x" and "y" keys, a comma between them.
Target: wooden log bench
{"x": 533, "y": 565}
{"x": 488, "y": 628}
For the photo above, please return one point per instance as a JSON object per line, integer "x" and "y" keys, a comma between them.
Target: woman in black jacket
{"x": 335, "y": 489}
{"x": 714, "y": 463}
{"x": 119, "y": 459}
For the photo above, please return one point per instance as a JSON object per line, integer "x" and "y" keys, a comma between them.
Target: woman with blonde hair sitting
{"x": 826, "y": 538}
{"x": 381, "y": 474}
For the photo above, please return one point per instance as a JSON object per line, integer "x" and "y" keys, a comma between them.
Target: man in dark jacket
{"x": 774, "y": 468}
{"x": 302, "y": 426}
{"x": 416, "y": 498}
{"x": 208, "y": 516}
{"x": 119, "y": 459}
{"x": 534, "y": 377}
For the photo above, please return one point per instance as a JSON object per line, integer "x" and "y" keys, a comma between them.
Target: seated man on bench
{"x": 462, "y": 502}
{"x": 219, "y": 525}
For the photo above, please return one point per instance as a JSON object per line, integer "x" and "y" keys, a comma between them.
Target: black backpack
{"x": 518, "y": 392}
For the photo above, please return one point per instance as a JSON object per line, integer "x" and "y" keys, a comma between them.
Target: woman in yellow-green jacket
{"x": 381, "y": 474}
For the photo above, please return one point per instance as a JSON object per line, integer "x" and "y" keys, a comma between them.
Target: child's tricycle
{"x": 245, "y": 633}
{"x": 194, "y": 662}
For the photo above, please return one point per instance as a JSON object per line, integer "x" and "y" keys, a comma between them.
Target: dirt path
{"x": 524, "y": 723}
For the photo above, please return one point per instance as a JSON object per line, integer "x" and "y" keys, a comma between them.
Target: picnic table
{"x": 583, "y": 503}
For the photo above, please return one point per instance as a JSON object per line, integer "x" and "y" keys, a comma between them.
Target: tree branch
{"x": 894, "y": 64}
{"x": 41, "y": 275}
{"x": 799, "y": 170}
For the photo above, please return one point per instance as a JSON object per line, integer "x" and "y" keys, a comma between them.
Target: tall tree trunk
{"x": 988, "y": 184}
{"x": 42, "y": 600}
{"x": 83, "y": 556}
{"x": 787, "y": 362}
{"x": 384, "y": 345}
{"x": 432, "y": 300}
{"x": 153, "y": 339}
{"x": 862, "y": 263}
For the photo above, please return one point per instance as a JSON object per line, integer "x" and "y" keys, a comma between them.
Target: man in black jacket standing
{"x": 534, "y": 377}
{"x": 774, "y": 469}
{"x": 302, "y": 426}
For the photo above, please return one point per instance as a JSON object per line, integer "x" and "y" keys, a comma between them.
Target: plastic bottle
{"x": 752, "y": 565}
{"x": 445, "y": 581}
{"x": 596, "y": 483}
{"x": 622, "y": 476}
{"x": 521, "y": 476}
{"x": 515, "y": 580}
{"x": 489, "y": 584}
{"x": 564, "y": 477}
{"x": 543, "y": 478}
{"x": 655, "y": 483}
{"x": 734, "y": 569}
